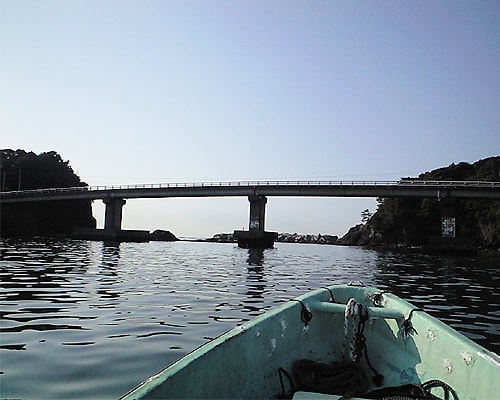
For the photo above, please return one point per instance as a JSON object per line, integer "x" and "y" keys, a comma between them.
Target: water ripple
{"x": 92, "y": 320}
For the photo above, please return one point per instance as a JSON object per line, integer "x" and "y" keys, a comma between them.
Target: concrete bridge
{"x": 257, "y": 192}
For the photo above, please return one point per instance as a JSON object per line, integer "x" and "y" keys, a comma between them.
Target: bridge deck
{"x": 402, "y": 188}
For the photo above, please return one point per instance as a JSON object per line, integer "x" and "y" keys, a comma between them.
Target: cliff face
{"x": 410, "y": 222}
{"x": 21, "y": 170}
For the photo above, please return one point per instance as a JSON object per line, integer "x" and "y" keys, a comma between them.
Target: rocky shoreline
{"x": 283, "y": 238}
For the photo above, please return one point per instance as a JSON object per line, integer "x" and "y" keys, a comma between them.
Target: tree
{"x": 22, "y": 170}
{"x": 365, "y": 216}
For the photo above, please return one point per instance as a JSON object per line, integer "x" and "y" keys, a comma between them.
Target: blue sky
{"x": 182, "y": 91}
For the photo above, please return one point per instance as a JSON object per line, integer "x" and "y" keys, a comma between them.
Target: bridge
{"x": 257, "y": 192}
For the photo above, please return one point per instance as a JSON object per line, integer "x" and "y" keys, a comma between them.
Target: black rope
{"x": 360, "y": 339}
{"x": 305, "y": 314}
{"x": 406, "y": 327}
{"x": 332, "y": 299}
{"x": 413, "y": 391}
{"x": 361, "y": 347}
{"x": 378, "y": 378}
{"x": 377, "y": 298}
{"x": 281, "y": 372}
{"x": 447, "y": 389}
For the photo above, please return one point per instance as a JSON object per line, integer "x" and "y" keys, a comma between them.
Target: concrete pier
{"x": 449, "y": 241}
{"x": 448, "y": 217}
{"x": 111, "y": 235}
{"x": 256, "y": 236}
{"x": 114, "y": 212}
{"x": 112, "y": 231}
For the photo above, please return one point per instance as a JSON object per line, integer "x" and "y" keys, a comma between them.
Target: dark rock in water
{"x": 311, "y": 239}
{"x": 222, "y": 238}
{"x": 282, "y": 237}
{"x": 328, "y": 239}
{"x": 162, "y": 236}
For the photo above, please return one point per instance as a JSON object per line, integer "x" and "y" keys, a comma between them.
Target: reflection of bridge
{"x": 256, "y": 191}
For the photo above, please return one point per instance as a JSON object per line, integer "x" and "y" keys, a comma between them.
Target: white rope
{"x": 351, "y": 311}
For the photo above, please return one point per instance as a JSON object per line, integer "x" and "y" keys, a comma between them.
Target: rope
{"x": 413, "y": 392}
{"x": 305, "y": 315}
{"x": 281, "y": 372}
{"x": 378, "y": 298}
{"x": 357, "y": 341}
{"x": 406, "y": 329}
{"x": 447, "y": 389}
{"x": 332, "y": 299}
{"x": 346, "y": 377}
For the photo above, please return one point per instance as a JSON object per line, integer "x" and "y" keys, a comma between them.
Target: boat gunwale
{"x": 311, "y": 300}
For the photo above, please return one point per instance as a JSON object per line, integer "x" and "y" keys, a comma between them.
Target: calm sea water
{"x": 85, "y": 320}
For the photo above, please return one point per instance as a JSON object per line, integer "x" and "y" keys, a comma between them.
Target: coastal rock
{"x": 311, "y": 239}
{"x": 222, "y": 238}
{"x": 283, "y": 238}
{"x": 354, "y": 236}
{"x": 163, "y": 236}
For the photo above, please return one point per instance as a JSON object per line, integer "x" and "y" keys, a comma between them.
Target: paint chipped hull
{"x": 244, "y": 362}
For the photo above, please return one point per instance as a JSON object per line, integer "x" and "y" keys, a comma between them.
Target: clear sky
{"x": 180, "y": 91}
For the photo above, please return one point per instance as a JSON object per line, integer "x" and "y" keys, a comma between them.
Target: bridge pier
{"x": 451, "y": 239}
{"x": 448, "y": 219}
{"x": 256, "y": 236}
{"x": 114, "y": 212}
{"x": 112, "y": 231}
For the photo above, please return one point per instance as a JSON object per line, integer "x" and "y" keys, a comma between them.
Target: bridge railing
{"x": 100, "y": 188}
{"x": 240, "y": 183}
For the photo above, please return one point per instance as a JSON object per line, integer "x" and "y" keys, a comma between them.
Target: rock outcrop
{"x": 160, "y": 235}
{"x": 222, "y": 238}
{"x": 283, "y": 238}
{"x": 313, "y": 239}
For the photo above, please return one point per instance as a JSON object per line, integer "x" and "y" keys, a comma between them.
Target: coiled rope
{"x": 346, "y": 377}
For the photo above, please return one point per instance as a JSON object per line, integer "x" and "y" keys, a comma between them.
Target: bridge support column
{"x": 450, "y": 240}
{"x": 448, "y": 220}
{"x": 256, "y": 236}
{"x": 112, "y": 232}
{"x": 113, "y": 216}
{"x": 257, "y": 213}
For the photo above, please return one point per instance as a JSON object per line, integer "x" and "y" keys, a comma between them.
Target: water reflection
{"x": 255, "y": 257}
{"x": 108, "y": 277}
{"x": 255, "y": 281}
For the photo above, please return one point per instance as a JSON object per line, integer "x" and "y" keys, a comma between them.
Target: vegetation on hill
{"x": 410, "y": 222}
{"x": 21, "y": 170}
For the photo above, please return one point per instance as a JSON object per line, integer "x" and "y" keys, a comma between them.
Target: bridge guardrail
{"x": 100, "y": 188}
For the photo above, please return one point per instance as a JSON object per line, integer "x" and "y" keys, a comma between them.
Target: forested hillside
{"x": 22, "y": 170}
{"x": 410, "y": 222}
